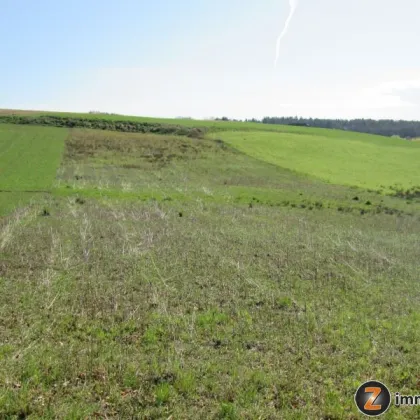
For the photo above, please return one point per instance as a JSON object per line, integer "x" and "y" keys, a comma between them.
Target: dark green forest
{"x": 401, "y": 128}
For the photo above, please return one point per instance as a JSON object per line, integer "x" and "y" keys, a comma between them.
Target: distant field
{"x": 365, "y": 161}
{"x": 224, "y": 125}
{"x": 29, "y": 156}
{"x": 17, "y": 112}
{"x": 135, "y": 165}
{"x": 209, "y": 125}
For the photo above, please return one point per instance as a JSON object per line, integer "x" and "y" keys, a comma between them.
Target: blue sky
{"x": 339, "y": 58}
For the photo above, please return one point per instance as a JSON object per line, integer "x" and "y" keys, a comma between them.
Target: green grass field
{"x": 29, "y": 156}
{"x": 163, "y": 276}
{"x": 365, "y": 161}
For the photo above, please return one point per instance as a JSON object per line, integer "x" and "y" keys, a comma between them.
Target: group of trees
{"x": 401, "y": 128}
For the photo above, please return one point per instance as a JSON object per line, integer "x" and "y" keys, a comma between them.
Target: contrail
{"x": 293, "y": 7}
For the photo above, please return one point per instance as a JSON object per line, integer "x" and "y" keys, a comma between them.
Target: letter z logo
{"x": 372, "y": 398}
{"x": 375, "y": 391}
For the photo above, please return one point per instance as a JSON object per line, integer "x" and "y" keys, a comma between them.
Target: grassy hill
{"x": 366, "y": 161}
{"x": 206, "y": 125}
{"x": 162, "y": 275}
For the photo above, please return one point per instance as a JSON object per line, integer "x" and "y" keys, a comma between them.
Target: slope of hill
{"x": 117, "y": 122}
{"x": 165, "y": 276}
{"x": 366, "y": 161}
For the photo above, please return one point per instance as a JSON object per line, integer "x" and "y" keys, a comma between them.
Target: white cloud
{"x": 391, "y": 93}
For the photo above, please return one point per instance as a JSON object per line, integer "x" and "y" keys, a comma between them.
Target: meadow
{"x": 164, "y": 276}
{"x": 29, "y": 157}
{"x": 367, "y": 161}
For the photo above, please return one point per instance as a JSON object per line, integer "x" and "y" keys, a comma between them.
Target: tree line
{"x": 401, "y": 128}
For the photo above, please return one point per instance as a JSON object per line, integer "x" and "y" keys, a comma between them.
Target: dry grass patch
{"x": 123, "y": 310}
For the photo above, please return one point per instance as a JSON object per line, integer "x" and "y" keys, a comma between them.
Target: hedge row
{"x": 104, "y": 124}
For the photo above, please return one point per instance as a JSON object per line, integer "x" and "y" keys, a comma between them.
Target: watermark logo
{"x": 372, "y": 398}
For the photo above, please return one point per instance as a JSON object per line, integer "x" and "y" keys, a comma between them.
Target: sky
{"x": 204, "y": 59}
